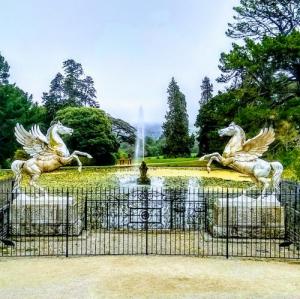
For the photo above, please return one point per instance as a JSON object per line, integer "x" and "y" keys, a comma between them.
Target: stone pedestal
{"x": 248, "y": 217}
{"x": 44, "y": 215}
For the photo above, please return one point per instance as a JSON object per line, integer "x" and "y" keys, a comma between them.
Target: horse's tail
{"x": 16, "y": 167}
{"x": 276, "y": 178}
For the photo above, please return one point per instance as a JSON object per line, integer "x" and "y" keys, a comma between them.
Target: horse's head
{"x": 231, "y": 130}
{"x": 62, "y": 130}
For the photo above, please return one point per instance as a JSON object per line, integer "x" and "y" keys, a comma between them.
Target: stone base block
{"x": 262, "y": 217}
{"x": 43, "y": 215}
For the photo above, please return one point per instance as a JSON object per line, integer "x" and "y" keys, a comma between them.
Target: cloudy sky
{"x": 131, "y": 48}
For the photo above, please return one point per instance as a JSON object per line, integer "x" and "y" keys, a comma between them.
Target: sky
{"x": 131, "y": 48}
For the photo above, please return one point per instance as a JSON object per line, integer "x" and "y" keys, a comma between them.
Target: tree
{"x": 123, "y": 130}
{"x": 217, "y": 112}
{"x": 259, "y": 18}
{"x": 72, "y": 84}
{"x": 206, "y": 95}
{"x": 288, "y": 135}
{"x": 92, "y": 133}
{"x": 54, "y": 100}
{"x": 88, "y": 92}
{"x": 175, "y": 127}
{"x": 268, "y": 65}
{"x": 206, "y": 91}
{"x": 70, "y": 89}
{"x": 193, "y": 145}
{"x": 153, "y": 147}
{"x": 4, "y": 70}
{"x": 15, "y": 106}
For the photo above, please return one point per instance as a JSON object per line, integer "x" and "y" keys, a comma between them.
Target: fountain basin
{"x": 126, "y": 177}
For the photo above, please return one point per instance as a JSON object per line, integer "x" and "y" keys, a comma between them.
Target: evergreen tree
{"x": 206, "y": 91}
{"x": 4, "y": 70}
{"x": 206, "y": 95}
{"x": 88, "y": 92}
{"x": 72, "y": 83}
{"x": 175, "y": 127}
{"x": 70, "y": 89}
{"x": 15, "y": 106}
{"x": 54, "y": 100}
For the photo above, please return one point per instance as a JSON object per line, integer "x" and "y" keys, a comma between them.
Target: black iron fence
{"x": 198, "y": 222}
{"x": 5, "y": 200}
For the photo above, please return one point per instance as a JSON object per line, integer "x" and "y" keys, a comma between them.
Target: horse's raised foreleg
{"x": 78, "y": 153}
{"x": 69, "y": 159}
{"x": 214, "y": 158}
{"x": 75, "y": 155}
{"x": 207, "y": 157}
{"x": 211, "y": 157}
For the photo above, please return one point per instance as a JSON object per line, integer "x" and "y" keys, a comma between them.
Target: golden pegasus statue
{"x": 244, "y": 156}
{"x": 47, "y": 153}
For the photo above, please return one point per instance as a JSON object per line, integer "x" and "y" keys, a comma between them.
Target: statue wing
{"x": 258, "y": 145}
{"x": 34, "y": 142}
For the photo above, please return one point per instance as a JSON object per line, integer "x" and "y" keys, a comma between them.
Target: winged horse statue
{"x": 47, "y": 153}
{"x": 244, "y": 156}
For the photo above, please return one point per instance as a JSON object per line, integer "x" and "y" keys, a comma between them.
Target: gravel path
{"x": 147, "y": 277}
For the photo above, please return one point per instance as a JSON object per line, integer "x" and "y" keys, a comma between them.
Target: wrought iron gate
{"x": 146, "y": 221}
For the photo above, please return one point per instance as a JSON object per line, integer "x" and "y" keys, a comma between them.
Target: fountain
{"x": 140, "y": 138}
{"x": 140, "y": 150}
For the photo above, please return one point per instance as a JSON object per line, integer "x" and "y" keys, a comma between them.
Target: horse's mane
{"x": 242, "y": 134}
{"x": 49, "y": 131}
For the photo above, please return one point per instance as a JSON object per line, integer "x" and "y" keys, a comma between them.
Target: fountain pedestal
{"x": 143, "y": 179}
{"x": 44, "y": 215}
{"x": 247, "y": 217}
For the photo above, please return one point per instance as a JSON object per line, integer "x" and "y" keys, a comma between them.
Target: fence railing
{"x": 176, "y": 221}
{"x": 5, "y": 200}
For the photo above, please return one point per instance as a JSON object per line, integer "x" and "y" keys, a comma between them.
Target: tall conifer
{"x": 176, "y": 125}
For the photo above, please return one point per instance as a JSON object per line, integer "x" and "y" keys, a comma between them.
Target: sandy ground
{"x": 147, "y": 277}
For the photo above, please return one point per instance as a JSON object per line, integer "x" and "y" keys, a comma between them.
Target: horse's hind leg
{"x": 33, "y": 182}
{"x": 265, "y": 182}
{"x": 261, "y": 172}
{"x": 256, "y": 184}
{"x": 34, "y": 173}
